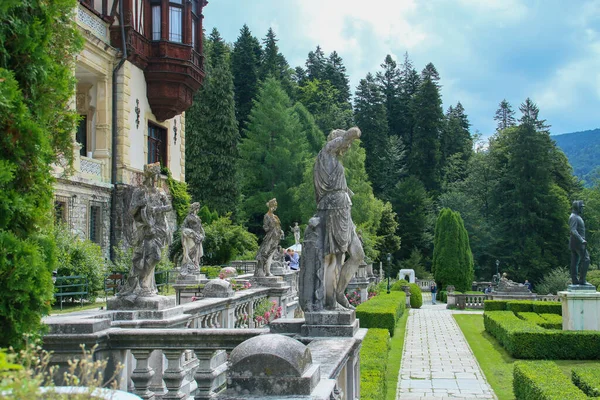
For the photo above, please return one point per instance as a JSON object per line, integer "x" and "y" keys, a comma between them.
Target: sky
{"x": 484, "y": 50}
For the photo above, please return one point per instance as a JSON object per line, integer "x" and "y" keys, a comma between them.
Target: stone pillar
{"x": 580, "y": 310}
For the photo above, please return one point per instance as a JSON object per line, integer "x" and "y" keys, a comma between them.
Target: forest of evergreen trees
{"x": 257, "y": 124}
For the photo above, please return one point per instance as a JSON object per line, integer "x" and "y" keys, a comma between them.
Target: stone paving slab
{"x": 437, "y": 361}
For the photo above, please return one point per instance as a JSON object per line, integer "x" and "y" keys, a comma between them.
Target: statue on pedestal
{"x": 334, "y": 232}
{"x": 270, "y": 243}
{"x": 192, "y": 236}
{"x": 148, "y": 208}
{"x": 296, "y": 232}
{"x": 580, "y": 258}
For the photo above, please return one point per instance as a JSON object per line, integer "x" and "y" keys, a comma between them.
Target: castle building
{"x": 136, "y": 75}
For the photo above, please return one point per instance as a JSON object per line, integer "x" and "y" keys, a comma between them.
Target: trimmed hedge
{"x": 382, "y": 311}
{"x": 547, "y": 307}
{"x": 416, "y": 297}
{"x": 525, "y": 340}
{"x": 532, "y": 317}
{"x": 520, "y": 306}
{"x": 553, "y": 321}
{"x": 587, "y": 379}
{"x": 494, "y": 305}
{"x": 373, "y": 363}
{"x": 543, "y": 380}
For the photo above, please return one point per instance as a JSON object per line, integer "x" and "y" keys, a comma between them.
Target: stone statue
{"x": 148, "y": 208}
{"x": 270, "y": 243}
{"x": 580, "y": 258}
{"x": 192, "y": 236}
{"x": 311, "y": 285}
{"x": 505, "y": 285}
{"x": 338, "y": 232}
{"x": 296, "y": 232}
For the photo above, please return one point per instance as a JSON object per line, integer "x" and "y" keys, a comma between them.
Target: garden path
{"x": 437, "y": 362}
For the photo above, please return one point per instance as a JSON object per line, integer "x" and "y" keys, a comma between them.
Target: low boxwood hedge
{"x": 543, "y": 380}
{"x": 547, "y": 307}
{"x": 553, "y": 321}
{"x": 587, "y": 379}
{"x": 494, "y": 305}
{"x": 532, "y": 317}
{"x": 382, "y": 311}
{"x": 520, "y": 306}
{"x": 525, "y": 340}
{"x": 373, "y": 363}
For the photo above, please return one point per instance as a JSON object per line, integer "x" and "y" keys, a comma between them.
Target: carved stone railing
{"x": 92, "y": 23}
{"x": 92, "y": 168}
{"x": 424, "y": 284}
{"x": 476, "y": 301}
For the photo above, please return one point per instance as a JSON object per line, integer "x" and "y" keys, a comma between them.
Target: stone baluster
{"x": 173, "y": 375}
{"x": 251, "y": 314}
{"x": 142, "y": 374}
{"x": 211, "y": 375}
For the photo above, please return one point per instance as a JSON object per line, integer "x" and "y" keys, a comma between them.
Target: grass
{"x": 73, "y": 307}
{"x": 394, "y": 357}
{"x": 496, "y": 363}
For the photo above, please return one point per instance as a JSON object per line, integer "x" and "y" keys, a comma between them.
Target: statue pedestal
{"x": 188, "y": 286}
{"x": 580, "y": 308}
{"x": 155, "y": 307}
{"x": 339, "y": 323}
{"x": 268, "y": 281}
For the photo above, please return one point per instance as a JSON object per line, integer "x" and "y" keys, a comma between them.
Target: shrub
{"x": 587, "y": 379}
{"x": 80, "y": 257}
{"x": 373, "y": 364}
{"x": 543, "y": 380}
{"x": 593, "y": 277}
{"x": 225, "y": 241}
{"x": 554, "y": 281}
{"x": 553, "y": 321}
{"x": 547, "y": 307}
{"x": 494, "y": 305}
{"x": 181, "y": 198}
{"x": 532, "y": 317}
{"x": 210, "y": 272}
{"x": 382, "y": 311}
{"x": 416, "y": 298}
{"x": 520, "y": 306}
{"x": 397, "y": 286}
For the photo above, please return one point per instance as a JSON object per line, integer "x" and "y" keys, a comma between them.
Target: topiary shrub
{"x": 373, "y": 364}
{"x": 547, "y": 307}
{"x": 553, "y": 321}
{"x": 520, "y": 306}
{"x": 416, "y": 297}
{"x": 397, "y": 286}
{"x": 494, "y": 305}
{"x": 587, "y": 379}
{"x": 543, "y": 380}
{"x": 382, "y": 311}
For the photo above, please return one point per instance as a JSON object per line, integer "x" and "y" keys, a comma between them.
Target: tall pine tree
{"x": 245, "y": 62}
{"x": 390, "y": 82}
{"x": 505, "y": 116}
{"x": 212, "y": 137}
{"x": 335, "y": 72}
{"x": 410, "y": 82}
{"x": 530, "y": 115}
{"x": 274, "y": 64}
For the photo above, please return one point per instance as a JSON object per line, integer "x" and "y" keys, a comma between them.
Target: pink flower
{"x": 267, "y": 315}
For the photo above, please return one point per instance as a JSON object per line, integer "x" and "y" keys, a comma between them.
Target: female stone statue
{"x": 192, "y": 236}
{"x": 270, "y": 243}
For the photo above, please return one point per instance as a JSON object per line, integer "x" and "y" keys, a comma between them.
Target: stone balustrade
{"x": 476, "y": 300}
{"x": 424, "y": 284}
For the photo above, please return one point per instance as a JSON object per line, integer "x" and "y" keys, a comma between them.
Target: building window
{"x": 195, "y": 16}
{"x": 61, "y": 210}
{"x": 156, "y": 22}
{"x": 95, "y": 231}
{"x": 81, "y": 136}
{"x": 176, "y": 21}
{"x": 157, "y": 145}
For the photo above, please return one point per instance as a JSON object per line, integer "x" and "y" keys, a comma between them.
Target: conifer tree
{"x": 272, "y": 156}
{"x": 410, "y": 82}
{"x": 530, "y": 113}
{"x": 431, "y": 73}
{"x": 335, "y": 72}
{"x": 505, "y": 116}
{"x": 274, "y": 64}
{"x": 452, "y": 257}
{"x": 389, "y": 81}
{"x": 370, "y": 116}
{"x": 428, "y": 117}
{"x": 216, "y": 50}
{"x": 315, "y": 64}
{"x": 456, "y": 144}
{"x": 212, "y": 137}
{"x": 245, "y": 62}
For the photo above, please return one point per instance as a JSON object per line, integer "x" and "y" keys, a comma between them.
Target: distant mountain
{"x": 583, "y": 151}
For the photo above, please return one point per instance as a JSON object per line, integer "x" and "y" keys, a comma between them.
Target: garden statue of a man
{"x": 296, "y": 232}
{"x": 270, "y": 243}
{"x": 580, "y": 258}
{"x": 192, "y": 236}
{"x": 338, "y": 232}
{"x": 148, "y": 208}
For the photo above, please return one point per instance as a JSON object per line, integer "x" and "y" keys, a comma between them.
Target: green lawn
{"x": 73, "y": 307}
{"x": 394, "y": 357}
{"x": 496, "y": 363}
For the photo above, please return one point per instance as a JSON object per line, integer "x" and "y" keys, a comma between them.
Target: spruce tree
{"x": 212, "y": 137}
{"x": 389, "y": 81}
{"x": 505, "y": 116}
{"x": 431, "y": 73}
{"x": 335, "y": 72}
{"x": 370, "y": 116}
{"x": 273, "y": 154}
{"x": 530, "y": 112}
{"x": 216, "y": 50}
{"x": 393, "y": 160}
{"x": 245, "y": 62}
{"x": 410, "y": 82}
{"x": 456, "y": 144}
{"x": 315, "y": 64}
{"x": 428, "y": 117}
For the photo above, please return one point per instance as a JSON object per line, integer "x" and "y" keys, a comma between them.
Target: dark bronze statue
{"x": 580, "y": 258}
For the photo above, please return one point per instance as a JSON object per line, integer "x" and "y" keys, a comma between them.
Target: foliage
{"x": 180, "y": 196}
{"x": 582, "y": 150}
{"x": 266, "y": 311}
{"x": 123, "y": 258}
{"x": 23, "y": 373}
{"x": 554, "y": 281}
{"x": 452, "y": 258}
{"x": 520, "y": 306}
{"x": 38, "y": 44}
{"x": 245, "y": 62}
{"x": 353, "y": 297}
{"x": 587, "y": 379}
{"x": 416, "y": 298}
{"x": 212, "y": 137}
{"x": 225, "y": 241}
{"x": 495, "y": 305}
{"x": 416, "y": 263}
{"x": 395, "y": 356}
{"x": 78, "y": 256}
{"x": 543, "y": 380}
{"x": 382, "y": 311}
{"x": 551, "y": 321}
{"x": 397, "y": 286}
{"x": 211, "y": 272}
{"x": 373, "y": 362}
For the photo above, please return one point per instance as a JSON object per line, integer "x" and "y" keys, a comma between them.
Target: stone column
{"x": 211, "y": 373}
{"x": 142, "y": 374}
{"x": 173, "y": 375}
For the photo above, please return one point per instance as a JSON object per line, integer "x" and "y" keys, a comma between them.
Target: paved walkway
{"x": 437, "y": 361}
